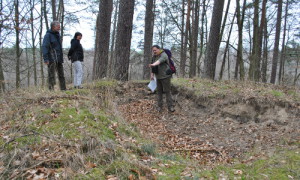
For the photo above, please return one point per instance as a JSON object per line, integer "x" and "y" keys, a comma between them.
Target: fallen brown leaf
{"x": 90, "y": 165}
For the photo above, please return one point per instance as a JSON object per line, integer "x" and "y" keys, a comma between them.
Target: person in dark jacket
{"x": 160, "y": 62}
{"x": 53, "y": 56}
{"x": 76, "y": 56}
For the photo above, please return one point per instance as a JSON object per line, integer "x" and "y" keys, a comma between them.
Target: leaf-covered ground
{"x": 215, "y": 122}
{"x": 111, "y": 130}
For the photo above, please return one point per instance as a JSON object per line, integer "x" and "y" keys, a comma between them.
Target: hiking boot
{"x": 171, "y": 109}
{"x": 78, "y": 87}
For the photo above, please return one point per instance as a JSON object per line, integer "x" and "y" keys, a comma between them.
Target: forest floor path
{"x": 212, "y": 129}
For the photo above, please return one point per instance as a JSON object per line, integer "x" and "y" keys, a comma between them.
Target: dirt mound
{"x": 211, "y": 129}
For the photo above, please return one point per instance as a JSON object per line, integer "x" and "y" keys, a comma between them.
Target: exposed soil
{"x": 211, "y": 129}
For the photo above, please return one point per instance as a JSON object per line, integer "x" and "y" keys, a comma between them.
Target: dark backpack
{"x": 170, "y": 63}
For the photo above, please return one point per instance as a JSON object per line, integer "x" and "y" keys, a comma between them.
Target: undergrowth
{"x": 78, "y": 135}
{"x": 217, "y": 89}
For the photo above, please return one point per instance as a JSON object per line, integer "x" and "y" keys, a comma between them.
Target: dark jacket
{"x": 76, "y": 51}
{"x": 52, "y": 48}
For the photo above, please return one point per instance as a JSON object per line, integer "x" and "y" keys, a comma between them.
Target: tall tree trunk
{"x": 103, "y": 33}
{"x": 260, "y": 36}
{"x": 44, "y": 12}
{"x": 239, "y": 67}
{"x": 182, "y": 44}
{"x": 296, "y": 76}
{"x": 41, "y": 36}
{"x": 282, "y": 56}
{"x": 32, "y": 2}
{"x": 213, "y": 42}
{"x": 194, "y": 40}
{"x": 265, "y": 54}
{"x": 53, "y": 5}
{"x": 224, "y": 21}
{"x": 61, "y": 18}
{"x": 226, "y": 49}
{"x": 185, "y": 41}
{"x": 18, "y": 54}
{"x": 162, "y": 31}
{"x": 112, "y": 46}
{"x": 254, "y": 56}
{"x": 27, "y": 61}
{"x": 206, "y": 23}
{"x": 96, "y": 45}
{"x": 276, "y": 45}
{"x": 221, "y": 37}
{"x": 201, "y": 38}
{"x": 2, "y": 79}
{"x": 148, "y": 37}
{"x": 228, "y": 65}
{"x": 123, "y": 41}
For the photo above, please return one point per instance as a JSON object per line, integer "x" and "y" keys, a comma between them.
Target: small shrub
{"x": 148, "y": 149}
{"x": 276, "y": 93}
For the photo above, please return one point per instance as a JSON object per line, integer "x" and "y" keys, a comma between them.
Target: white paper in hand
{"x": 152, "y": 85}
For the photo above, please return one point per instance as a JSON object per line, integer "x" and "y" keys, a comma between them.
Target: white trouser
{"x": 78, "y": 73}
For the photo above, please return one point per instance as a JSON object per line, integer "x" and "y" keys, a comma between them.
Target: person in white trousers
{"x": 76, "y": 56}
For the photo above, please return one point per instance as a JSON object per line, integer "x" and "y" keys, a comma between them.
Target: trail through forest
{"x": 212, "y": 129}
